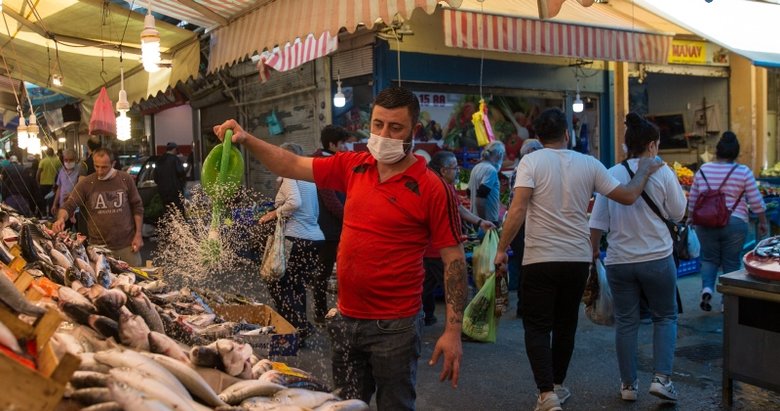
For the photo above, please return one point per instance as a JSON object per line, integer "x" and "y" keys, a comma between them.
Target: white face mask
{"x": 349, "y": 146}
{"x": 387, "y": 150}
{"x": 108, "y": 175}
{"x": 69, "y": 165}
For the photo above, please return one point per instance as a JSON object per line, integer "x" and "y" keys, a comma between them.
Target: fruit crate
{"x": 688, "y": 267}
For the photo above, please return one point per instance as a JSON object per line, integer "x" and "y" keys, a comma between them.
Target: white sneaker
{"x": 551, "y": 403}
{"x": 663, "y": 388}
{"x": 562, "y": 392}
{"x": 628, "y": 392}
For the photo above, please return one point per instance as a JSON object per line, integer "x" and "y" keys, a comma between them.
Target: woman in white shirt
{"x": 639, "y": 259}
{"x": 296, "y": 201}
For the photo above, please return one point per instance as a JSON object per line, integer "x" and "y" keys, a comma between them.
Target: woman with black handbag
{"x": 639, "y": 261}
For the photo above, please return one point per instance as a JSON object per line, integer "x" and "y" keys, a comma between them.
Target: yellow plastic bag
{"x": 483, "y": 259}
{"x": 479, "y": 319}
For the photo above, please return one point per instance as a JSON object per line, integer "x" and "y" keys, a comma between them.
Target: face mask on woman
{"x": 69, "y": 165}
{"x": 387, "y": 150}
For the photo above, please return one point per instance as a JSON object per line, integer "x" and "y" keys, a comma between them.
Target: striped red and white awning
{"x": 293, "y": 55}
{"x": 481, "y": 31}
{"x": 279, "y": 22}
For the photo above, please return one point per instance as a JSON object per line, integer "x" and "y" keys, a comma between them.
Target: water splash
{"x": 182, "y": 238}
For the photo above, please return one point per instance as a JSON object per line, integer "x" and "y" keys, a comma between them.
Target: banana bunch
{"x": 684, "y": 174}
{"x": 773, "y": 171}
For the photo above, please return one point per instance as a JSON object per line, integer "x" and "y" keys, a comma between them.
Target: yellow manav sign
{"x": 688, "y": 52}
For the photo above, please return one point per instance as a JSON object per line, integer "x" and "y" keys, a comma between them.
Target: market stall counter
{"x": 751, "y": 332}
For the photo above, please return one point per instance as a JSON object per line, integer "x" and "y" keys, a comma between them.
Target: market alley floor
{"x": 498, "y": 377}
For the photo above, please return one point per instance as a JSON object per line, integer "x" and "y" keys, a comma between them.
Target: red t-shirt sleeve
{"x": 329, "y": 172}
{"x": 444, "y": 221}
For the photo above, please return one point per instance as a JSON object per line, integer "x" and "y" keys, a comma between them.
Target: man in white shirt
{"x": 551, "y": 193}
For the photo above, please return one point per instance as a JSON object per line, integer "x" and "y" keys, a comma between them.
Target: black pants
{"x": 518, "y": 250}
{"x": 319, "y": 279}
{"x": 289, "y": 292}
{"x": 46, "y": 205}
{"x": 551, "y": 302}
{"x": 434, "y": 277}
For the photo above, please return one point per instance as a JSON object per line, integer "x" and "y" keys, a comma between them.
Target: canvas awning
{"x": 279, "y": 22}
{"x": 599, "y": 33}
{"x": 748, "y": 28}
{"x": 88, "y": 34}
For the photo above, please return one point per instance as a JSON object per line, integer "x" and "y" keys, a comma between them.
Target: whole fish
{"x": 139, "y": 304}
{"x": 69, "y": 295}
{"x": 63, "y": 249}
{"x": 59, "y": 259}
{"x": 31, "y": 250}
{"x": 206, "y": 356}
{"x": 133, "y": 330}
{"x": 51, "y": 272}
{"x": 86, "y": 278}
{"x": 303, "y": 398}
{"x": 162, "y": 344}
{"x": 133, "y": 360}
{"x": 11, "y": 297}
{"x": 234, "y": 355}
{"x": 10, "y": 237}
{"x": 105, "y": 278}
{"x": 131, "y": 399}
{"x": 83, "y": 265}
{"x": 110, "y": 302}
{"x": 62, "y": 343}
{"x": 346, "y": 405}
{"x": 122, "y": 279}
{"x": 178, "y": 400}
{"x": 261, "y": 367}
{"x": 8, "y": 339}
{"x": 104, "y": 406}
{"x": 240, "y": 391}
{"x": 93, "y": 292}
{"x": 88, "y": 363}
{"x": 86, "y": 379}
{"x": 178, "y": 330}
{"x": 5, "y": 254}
{"x": 105, "y": 326}
{"x": 92, "y": 395}
{"x": 79, "y": 313}
{"x": 190, "y": 378}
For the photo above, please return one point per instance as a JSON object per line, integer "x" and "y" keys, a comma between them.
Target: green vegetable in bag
{"x": 479, "y": 319}
{"x": 484, "y": 257}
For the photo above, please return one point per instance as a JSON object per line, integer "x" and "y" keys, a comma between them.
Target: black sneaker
{"x": 430, "y": 320}
{"x": 705, "y": 301}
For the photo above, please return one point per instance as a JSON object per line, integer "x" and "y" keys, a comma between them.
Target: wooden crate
{"x": 28, "y": 389}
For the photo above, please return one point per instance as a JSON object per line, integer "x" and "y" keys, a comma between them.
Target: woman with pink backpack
{"x": 718, "y": 204}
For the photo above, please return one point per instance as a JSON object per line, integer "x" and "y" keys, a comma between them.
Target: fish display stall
{"x": 97, "y": 334}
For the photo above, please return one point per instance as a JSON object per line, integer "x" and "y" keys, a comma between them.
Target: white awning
{"x": 600, "y": 33}
{"x": 748, "y": 28}
{"x": 279, "y": 22}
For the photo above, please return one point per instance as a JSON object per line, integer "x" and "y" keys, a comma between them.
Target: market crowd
{"x": 406, "y": 209}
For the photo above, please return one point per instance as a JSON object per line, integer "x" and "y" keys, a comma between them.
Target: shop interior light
{"x": 61, "y": 140}
{"x": 122, "y": 106}
{"x": 150, "y": 43}
{"x": 339, "y": 100}
{"x": 577, "y": 106}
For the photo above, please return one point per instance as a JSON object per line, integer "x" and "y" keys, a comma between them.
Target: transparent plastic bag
{"x": 694, "y": 246}
{"x": 276, "y": 253}
{"x": 601, "y": 310}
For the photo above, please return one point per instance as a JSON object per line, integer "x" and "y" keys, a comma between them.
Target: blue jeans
{"x": 376, "y": 355}
{"x": 658, "y": 280}
{"x": 721, "y": 248}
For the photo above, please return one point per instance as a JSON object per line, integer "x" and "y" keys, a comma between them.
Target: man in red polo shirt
{"x": 396, "y": 208}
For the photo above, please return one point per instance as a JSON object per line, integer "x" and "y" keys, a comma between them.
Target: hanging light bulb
{"x": 56, "y": 80}
{"x": 578, "y": 105}
{"x": 150, "y": 43}
{"x": 339, "y": 100}
{"x": 33, "y": 142}
{"x": 122, "y": 106}
{"x": 21, "y": 132}
{"x": 61, "y": 139}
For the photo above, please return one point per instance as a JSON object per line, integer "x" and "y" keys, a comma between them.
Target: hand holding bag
{"x": 276, "y": 253}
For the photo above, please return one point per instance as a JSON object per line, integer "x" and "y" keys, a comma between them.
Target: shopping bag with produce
{"x": 479, "y": 319}
{"x": 694, "y": 246}
{"x": 600, "y": 311}
{"x": 277, "y": 251}
{"x": 482, "y": 261}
